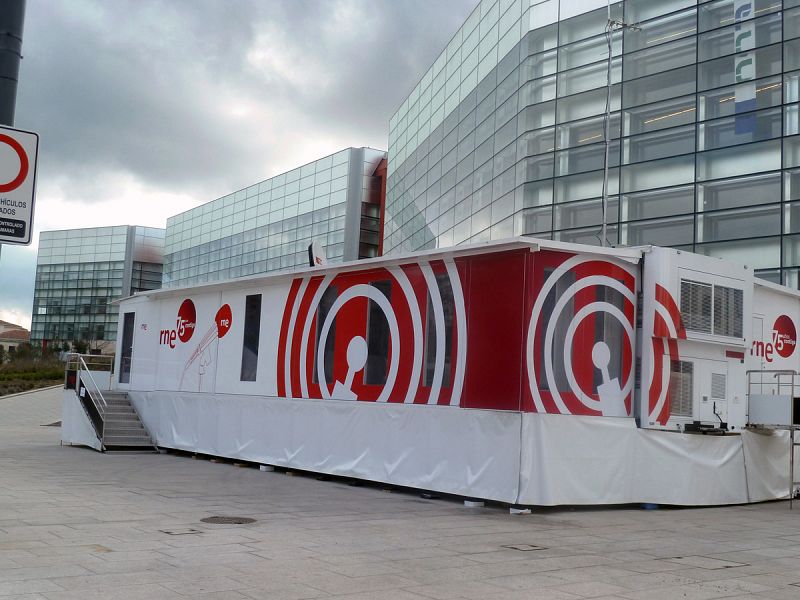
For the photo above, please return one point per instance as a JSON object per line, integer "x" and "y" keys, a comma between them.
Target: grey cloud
{"x": 110, "y": 90}
{"x": 136, "y": 86}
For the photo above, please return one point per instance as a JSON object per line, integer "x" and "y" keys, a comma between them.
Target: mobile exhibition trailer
{"x": 525, "y": 371}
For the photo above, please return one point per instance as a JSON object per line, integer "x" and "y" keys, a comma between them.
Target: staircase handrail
{"x": 102, "y": 405}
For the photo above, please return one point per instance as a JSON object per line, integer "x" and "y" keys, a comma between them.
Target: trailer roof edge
{"x": 504, "y": 245}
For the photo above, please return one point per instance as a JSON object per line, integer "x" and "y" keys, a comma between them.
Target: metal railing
{"x": 771, "y": 382}
{"x": 779, "y": 383}
{"x": 95, "y": 405}
{"x": 97, "y": 362}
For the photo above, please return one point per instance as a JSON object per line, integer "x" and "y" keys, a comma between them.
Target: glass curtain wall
{"x": 80, "y": 271}
{"x": 268, "y": 226}
{"x": 704, "y": 155}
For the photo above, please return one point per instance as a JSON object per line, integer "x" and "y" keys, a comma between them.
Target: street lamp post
{"x": 612, "y": 25}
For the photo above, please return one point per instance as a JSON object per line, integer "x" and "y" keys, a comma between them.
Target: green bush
{"x": 30, "y": 365}
{"x": 17, "y": 385}
{"x": 50, "y": 374}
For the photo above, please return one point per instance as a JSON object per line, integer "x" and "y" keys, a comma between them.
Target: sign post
{"x": 18, "y": 153}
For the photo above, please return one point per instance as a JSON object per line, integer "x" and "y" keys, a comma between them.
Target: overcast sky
{"x": 146, "y": 108}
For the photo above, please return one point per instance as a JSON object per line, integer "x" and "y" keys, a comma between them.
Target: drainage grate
{"x": 180, "y": 531}
{"x": 524, "y": 547}
{"x": 228, "y": 520}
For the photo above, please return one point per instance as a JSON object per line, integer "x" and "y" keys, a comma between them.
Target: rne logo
{"x": 184, "y": 326}
{"x": 783, "y": 342}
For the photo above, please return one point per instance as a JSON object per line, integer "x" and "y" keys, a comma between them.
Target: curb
{"x": 52, "y": 387}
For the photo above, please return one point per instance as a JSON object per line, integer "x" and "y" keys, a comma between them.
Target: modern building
{"x": 504, "y": 134}
{"x": 268, "y": 226}
{"x": 80, "y": 271}
{"x": 11, "y": 336}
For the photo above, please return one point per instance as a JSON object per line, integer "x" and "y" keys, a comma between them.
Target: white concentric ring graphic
{"x": 590, "y": 281}
{"x": 584, "y": 312}
{"x": 357, "y": 291}
{"x": 405, "y": 329}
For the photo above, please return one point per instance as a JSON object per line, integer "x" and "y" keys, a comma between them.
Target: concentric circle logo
{"x": 580, "y": 348}
{"x": 306, "y": 332}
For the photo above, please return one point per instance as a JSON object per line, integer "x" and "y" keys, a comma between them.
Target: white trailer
{"x": 525, "y": 371}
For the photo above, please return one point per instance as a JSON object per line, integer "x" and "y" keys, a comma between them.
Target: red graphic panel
{"x": 495, "y": 296}
{"x": 667, "y": 329}
{"x": 384, "y": 335}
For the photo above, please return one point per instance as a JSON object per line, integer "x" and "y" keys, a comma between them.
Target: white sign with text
{"x": 18, "y": 151}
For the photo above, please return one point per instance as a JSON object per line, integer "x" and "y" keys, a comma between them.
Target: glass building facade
{"x": 504, "y": 135}
{"x": 268, "y": 226}
{"x": 80, "y": 271}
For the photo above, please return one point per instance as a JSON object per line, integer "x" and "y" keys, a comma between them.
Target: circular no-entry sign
{"x": 23, "y": 164}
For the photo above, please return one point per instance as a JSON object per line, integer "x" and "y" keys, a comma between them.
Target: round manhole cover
{"x": 228, "y": 520}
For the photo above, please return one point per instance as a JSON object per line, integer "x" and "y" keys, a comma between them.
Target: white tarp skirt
{"x": 599, "y": 460}
{"x": 519, "y": 458}
{"x": 465, "y": 452}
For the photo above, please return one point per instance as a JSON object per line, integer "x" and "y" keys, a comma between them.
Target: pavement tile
{"x": 79, "y": 525}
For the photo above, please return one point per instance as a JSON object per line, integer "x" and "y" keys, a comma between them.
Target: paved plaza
{"x": 77, "y": 525}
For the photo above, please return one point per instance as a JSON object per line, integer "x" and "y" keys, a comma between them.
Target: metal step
{"x": 110, "y": 417}
{"x": 118, "y": 437}
{"x": 116, "y": 422}
{"x": 120, "y": 410}
{"x": 131, "y": 429}
{"x": 128, "y": 442}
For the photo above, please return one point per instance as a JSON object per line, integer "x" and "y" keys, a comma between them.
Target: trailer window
{"x": 252, "y": 331}
{"x": 377, "y": 337}
{"x": 714, "y": 309}
{"x": 728, "y": 311}
{"x": 608, "y": 329}
{"x": 448, "y": 304}
{"x": 696, "y": 306}
{"x": 325, "y": 303}
{"x": 561, "y": 325}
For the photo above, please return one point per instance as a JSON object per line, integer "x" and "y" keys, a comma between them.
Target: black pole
{"x": 12, "y": 19}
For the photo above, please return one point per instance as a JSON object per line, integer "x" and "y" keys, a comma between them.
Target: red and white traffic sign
{"x": 18, "y": 151}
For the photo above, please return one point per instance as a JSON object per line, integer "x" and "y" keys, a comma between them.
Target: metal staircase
{"x": 111, "y": 414}
{"x": 122, "y": 428}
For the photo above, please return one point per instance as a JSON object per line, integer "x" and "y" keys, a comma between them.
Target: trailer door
{"x": 126, "y": 355}
{"x": 712, "y": 390}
